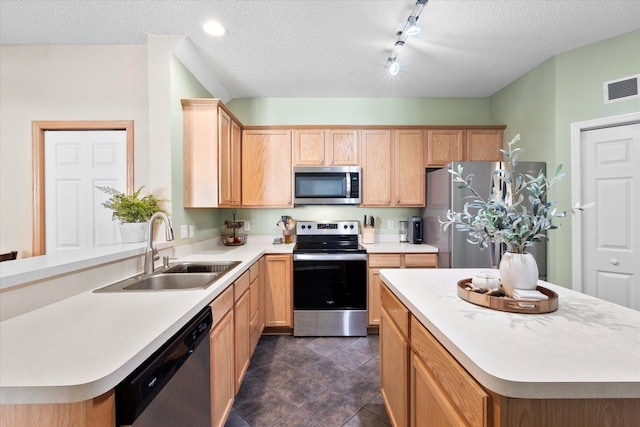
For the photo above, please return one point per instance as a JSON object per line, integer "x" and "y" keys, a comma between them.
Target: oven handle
{"x": 329, "y": 257}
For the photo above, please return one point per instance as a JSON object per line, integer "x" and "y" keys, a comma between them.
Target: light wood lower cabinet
{"x": 390, "y": 260}
{"x": 242, "y": 320}
{"x": 97, "y": 412}
{"x": 441, "y": 382}
{"x": 279, "y": 292}
{"x": 222, "y": 341}
{"x": 420, "y": 377}
{"x": 394, "y": 358}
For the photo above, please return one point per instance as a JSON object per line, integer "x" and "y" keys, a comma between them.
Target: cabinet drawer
{"x": 397, "y": 311}
{"x": 240, "y": 286}
{"x": 222, "y": 304}
{"x": 456, "y": 384}
{"x": 385, "y": 260}
{"x": 420, "y": 260}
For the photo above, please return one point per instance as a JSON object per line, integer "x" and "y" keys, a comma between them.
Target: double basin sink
{"x": 180, "y": 276}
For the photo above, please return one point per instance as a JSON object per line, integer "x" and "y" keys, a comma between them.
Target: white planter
{"x": 133, "y": 232}
{"x": 518, "y": 271}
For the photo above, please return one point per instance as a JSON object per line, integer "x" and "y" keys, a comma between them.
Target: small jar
{"x": 404, "y": 232}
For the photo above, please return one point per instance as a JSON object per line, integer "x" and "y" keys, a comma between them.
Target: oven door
{"x": 330, "y": 282}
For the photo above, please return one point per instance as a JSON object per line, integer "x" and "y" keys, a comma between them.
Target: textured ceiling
{"x": 313, "y": 48}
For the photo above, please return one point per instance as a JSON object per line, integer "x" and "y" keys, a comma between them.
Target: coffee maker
{"x": 416, "y": 230}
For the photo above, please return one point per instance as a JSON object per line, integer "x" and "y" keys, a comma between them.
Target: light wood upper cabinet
{"x": 392, "y": 169}
{"x": 375, "y": 160}
{"x": 455, "y": 145}
{"x": 230, "y": 162}
{"x": 408, "y": 167}
{"x": 342, "y": 147}
{"x": 483, "y": 145}
{"x": 320, "y": 147}
{"x": 266, "y": 168}
{"x": 211, "y": 154}
{"x": 308, "y": 147}
{"x": 444, "y": 146}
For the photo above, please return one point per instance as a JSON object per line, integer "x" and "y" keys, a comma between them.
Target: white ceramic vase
{"x": 133, "y": 232}
{"x": 518, "y": 271}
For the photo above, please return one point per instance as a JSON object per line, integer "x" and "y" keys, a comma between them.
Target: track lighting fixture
{"x": 410, "y": 28}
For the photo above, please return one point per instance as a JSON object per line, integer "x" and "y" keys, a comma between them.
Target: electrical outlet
{"x": 184, "y": 231}
{"x": 247, "y": 226}
{"x": 192, "y": 230}
{"x": 390, "y": 224}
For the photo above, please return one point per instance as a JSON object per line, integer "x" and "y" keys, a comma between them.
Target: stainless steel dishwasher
{"x": 172, "y": 387}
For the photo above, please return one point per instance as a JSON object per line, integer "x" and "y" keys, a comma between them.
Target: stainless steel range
{"x": 329, "y": 280}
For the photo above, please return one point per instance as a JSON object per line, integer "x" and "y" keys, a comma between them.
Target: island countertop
{"x": 588, "y": 348}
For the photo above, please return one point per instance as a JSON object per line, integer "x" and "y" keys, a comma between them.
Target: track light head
{"x": 413, "y": 28}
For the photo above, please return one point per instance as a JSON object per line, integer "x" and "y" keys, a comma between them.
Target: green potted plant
{"x": 503, "y": 218}
{"x": 132, "y": 211}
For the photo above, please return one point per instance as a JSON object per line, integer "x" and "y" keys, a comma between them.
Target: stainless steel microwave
{"x": 337, "y": 185}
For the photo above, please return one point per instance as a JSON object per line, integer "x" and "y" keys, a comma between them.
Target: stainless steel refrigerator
{"x": 444, "y": 194}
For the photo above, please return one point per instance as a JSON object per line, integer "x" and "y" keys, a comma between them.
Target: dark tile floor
{"x": 311, "y": 382}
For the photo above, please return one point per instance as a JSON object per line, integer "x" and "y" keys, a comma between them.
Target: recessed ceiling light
{"x": 213, "y": 28}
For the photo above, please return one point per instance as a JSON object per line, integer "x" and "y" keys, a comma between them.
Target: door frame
{"x": 576, "y": 184}
{"x": 38, "y": 129}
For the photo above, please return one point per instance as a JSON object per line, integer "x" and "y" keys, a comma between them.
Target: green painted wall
{"x": 206, "y": 221}
{"x": 263, "y": 221}
{"x": 542, "y": 104}
{"x": 361, "y": 111}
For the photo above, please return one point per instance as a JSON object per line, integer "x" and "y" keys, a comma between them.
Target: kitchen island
{"x": 464, "y": 364}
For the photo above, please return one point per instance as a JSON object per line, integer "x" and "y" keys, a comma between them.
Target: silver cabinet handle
{"x": 614, "y": 261}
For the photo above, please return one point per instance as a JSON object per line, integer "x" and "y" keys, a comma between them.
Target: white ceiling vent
{"x": 621, "y": 89}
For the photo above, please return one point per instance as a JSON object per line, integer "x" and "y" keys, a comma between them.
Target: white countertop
{"x": 83, "y": 346}
{"x": 397, "y": 247}
{"x": 588, "y": 348}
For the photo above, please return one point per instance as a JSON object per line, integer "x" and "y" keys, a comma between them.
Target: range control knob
{"x": 344, "y": 226}
{"x": 351, "y": 226}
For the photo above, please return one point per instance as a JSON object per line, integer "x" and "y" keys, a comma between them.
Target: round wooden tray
{"x": 509, "y": 304}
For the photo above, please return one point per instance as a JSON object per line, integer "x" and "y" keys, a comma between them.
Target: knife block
{"x": 368, "y": 235}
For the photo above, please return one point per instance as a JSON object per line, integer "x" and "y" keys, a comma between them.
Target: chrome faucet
{"x": 151, "y": 254}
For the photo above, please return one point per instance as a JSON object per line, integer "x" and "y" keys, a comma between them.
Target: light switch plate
{"x": 184, "y": 231}
{"x": 192, "y": 230}
{"x": 247, "y": 226}
{"x": 390, "y": 224}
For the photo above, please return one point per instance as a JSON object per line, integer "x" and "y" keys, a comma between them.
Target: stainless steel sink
{"x": 181, "y": 276}
{"x": 201, "y": 267}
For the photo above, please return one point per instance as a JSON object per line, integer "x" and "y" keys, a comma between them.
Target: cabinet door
{"x": 429, "y": 406}
{"x": 242, "y": 317}
{"x": 373, "y": 296}
{"x": 266, "y": 168}
{"x": 279, "y": 302}
{"x": 342, "y": 147}
{"x": 483, "y": 145}
{"x": 409, "y": 174}
{"x": 444, "y": 146}
{"x": 200, "y": 153}
{"x": 308, "y": 147}
{"x": 376, "y": 167}
{"x": 223, "y": 388}
{"x": 229, "y": 160}
{"x": 262, "y": 303}
{"x": 254, "y": 303}
{"x": 394, "y": 373}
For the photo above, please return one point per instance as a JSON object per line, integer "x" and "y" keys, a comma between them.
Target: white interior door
{"x": 75, "y": 163}
{"x": 610, "y": 230}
